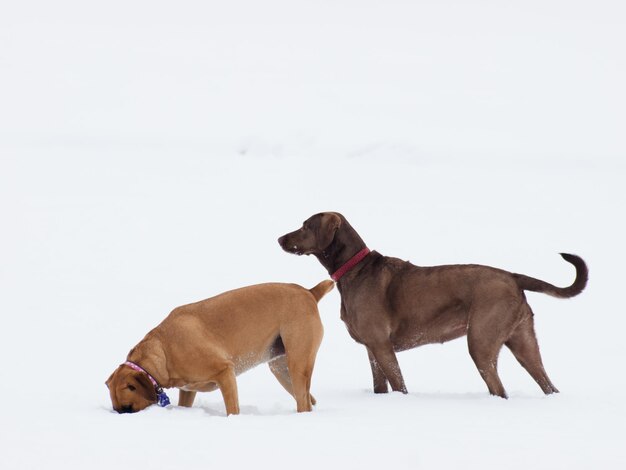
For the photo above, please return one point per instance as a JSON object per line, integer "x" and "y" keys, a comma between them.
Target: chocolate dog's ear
{"x": 329, "y": 224}
{"x": 145, "y": 389}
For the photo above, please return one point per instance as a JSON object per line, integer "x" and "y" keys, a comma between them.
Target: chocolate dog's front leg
{"x": 380, "y": 381}
{"x": 386, "y": 359}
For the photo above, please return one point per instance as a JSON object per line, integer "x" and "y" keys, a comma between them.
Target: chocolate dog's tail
{"x": 536, "y": 285}
{"x": 322, "y": 289}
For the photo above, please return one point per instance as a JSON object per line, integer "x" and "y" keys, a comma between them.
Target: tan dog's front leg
{"x": 186, "y": 398}
{"x": 227, "y": 382}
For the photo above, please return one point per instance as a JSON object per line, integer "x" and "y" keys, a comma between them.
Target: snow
{"x": 151, "y": 155}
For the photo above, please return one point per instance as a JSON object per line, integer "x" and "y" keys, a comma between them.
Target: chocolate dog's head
{"x": 130, "y": 390}
{"x": 315, "y": 235}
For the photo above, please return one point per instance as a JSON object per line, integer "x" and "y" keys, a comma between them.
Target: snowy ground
{"x": 150, "y": 157}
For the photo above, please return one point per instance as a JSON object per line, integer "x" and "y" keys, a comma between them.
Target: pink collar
{"x": 138, "y": 368}
{"x": 351, "y": 263}
{"x": 162, "y": 398}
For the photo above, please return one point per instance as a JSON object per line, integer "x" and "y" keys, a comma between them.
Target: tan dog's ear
{"x": 145, "y": 389}
{"x": 329, "y": 224}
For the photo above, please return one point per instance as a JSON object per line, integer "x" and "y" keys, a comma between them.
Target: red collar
{"x": 351, "y": 263}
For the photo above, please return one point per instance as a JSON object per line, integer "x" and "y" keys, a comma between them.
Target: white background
{"x": 151, "y": 153}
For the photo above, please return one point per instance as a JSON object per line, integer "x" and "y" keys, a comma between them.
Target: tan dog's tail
{"x": 537, "y": 285}
{"x": 322, "y": 289}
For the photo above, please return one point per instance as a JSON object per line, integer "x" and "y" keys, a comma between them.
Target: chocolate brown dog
{"x": 390, "y": 305}
{"x": 202, "y": 346}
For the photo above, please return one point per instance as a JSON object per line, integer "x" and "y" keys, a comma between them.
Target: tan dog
{"x": 203, "y": 346}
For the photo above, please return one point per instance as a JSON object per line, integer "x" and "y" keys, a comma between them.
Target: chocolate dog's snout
{"x": 281, "y": 240}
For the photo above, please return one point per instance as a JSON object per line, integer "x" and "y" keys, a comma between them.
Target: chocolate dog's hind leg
{"x": 523, "y": 344}
{"x": 487, "y": 365}
{"x": 380, "y": 381}
{"x": 489, "y": 326}
{"x": 388, "y": 362}
{"x": 186, "y": 398}
{"x": 280, "y": 370}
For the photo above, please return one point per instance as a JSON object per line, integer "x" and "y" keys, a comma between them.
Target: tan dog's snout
{"x": 126, "y": 409}
{"x": 130, "y": 391}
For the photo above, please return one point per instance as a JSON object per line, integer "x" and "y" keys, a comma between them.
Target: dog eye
{"x": 131, "y": 387}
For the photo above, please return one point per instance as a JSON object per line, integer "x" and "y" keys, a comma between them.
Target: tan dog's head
{"x": 130, "y": 390}
{"x": 315, "y": 235}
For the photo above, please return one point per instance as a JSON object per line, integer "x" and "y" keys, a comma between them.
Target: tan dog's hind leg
{"x": 301, "y": 380}
{"x": 302, "y": 340}
{"x": 227, "y": 382}
{"x": 300, "y": 361}
{"x": 186, "y": 398}
{"x": 280, "y": 370}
